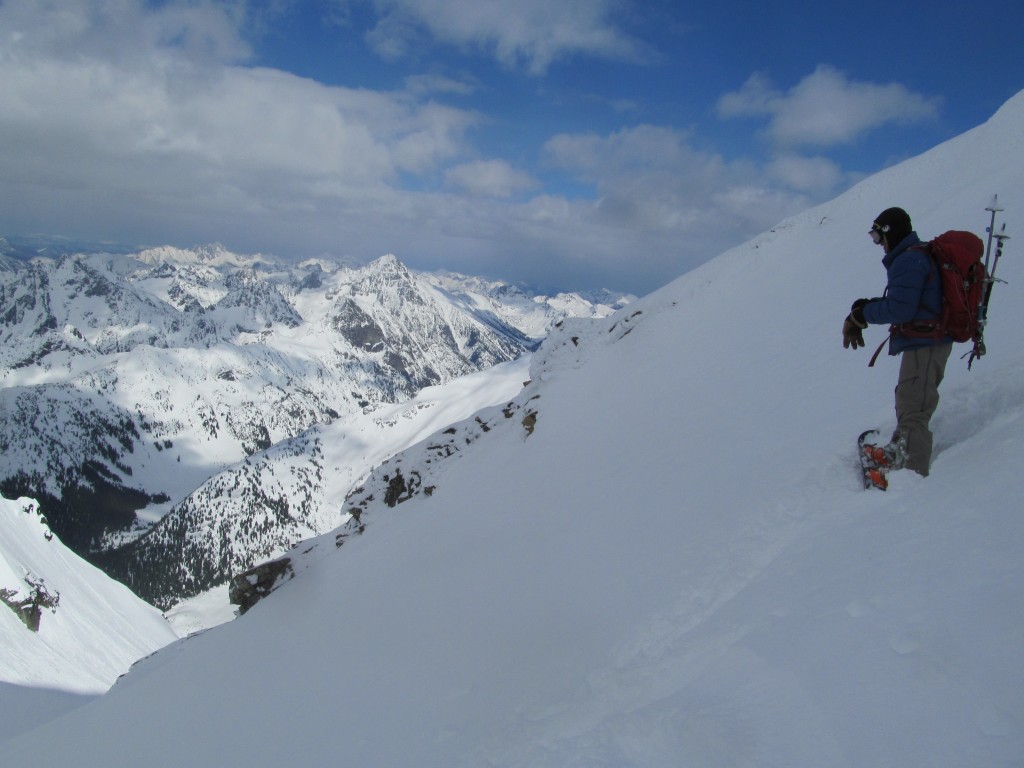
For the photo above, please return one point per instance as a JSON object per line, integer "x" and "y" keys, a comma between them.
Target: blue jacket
{"x": 913, "y": 293}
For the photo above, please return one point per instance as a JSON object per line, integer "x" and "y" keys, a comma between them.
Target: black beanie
{"x": 894, "y": 223}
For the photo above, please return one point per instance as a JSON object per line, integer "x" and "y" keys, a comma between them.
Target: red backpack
{"x": 958, "y": 256}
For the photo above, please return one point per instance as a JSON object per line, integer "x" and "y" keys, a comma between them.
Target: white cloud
{"x": 230, "y": 122}
{"x": 650, "y": 176}
{"x": 529, "y": 33}
{"x": 428, "y": 84}
{"x": 173, "y": 128}
{"x": 826, "y": 108}
{"x": 652, "y": 187}
{"x": 806, "y": 174}
{"x": 124, "y": 30}
{"x": 489, "y": 178}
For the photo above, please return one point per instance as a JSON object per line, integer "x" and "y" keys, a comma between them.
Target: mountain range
{"x": 130, "y": 382}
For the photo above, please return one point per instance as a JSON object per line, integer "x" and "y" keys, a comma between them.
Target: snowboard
{"x": 872, "y": 474}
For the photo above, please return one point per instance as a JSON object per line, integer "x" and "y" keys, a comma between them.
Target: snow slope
{"x": 671, "y": 562}
{"x": 93, "y": 634}
{"x": 261, "y": 507}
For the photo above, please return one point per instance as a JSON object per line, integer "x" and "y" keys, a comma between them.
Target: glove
{"x": 857, "y": 313}
{"x": 852, "y": 336}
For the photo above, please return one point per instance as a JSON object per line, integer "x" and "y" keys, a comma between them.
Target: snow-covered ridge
{"x": 213, "y": 255}
{"x": 295, "y": 490}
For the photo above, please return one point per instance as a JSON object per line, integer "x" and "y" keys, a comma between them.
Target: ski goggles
{"x": 877, "y": 233}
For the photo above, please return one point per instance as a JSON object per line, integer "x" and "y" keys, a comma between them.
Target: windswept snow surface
{"x": 678, "y": 567}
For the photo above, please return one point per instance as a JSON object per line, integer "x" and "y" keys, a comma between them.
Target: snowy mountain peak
{"x": 214, "y": 255}
{"x": 387, "y": 262}
{"x": 389, "y": 280}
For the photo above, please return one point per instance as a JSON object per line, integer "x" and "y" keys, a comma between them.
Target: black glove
{"x": 854, "y": 324}
{"x": 857, "y": 313}
{"x": 852, "y": 336}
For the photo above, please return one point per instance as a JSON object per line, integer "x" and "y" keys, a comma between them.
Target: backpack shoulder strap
{"x": 926, "y": 248}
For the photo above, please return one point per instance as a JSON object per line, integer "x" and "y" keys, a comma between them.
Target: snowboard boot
{"x": 880, "y": 460}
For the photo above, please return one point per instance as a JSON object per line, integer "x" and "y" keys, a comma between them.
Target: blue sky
{"x": 577, "y": 144}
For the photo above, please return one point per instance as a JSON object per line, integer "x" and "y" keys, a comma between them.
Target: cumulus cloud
{"x": 826, "y": 108}
{"x": 439, "y": 84}
{"x": 124, "y": 30}
{"x": 528, "y": 34}
{"x": 489, "y": 178}
{"x": 650, "y": 179}
{"x": 806, "y": 174}
{"x": 651, "y": 176}
{"x": 179, "y": 130}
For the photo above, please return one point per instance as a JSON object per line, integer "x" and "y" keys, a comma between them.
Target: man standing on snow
{"x": 913, "y": 295}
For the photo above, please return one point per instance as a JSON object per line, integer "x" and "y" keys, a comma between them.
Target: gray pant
{"x": 917, "y": 397}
